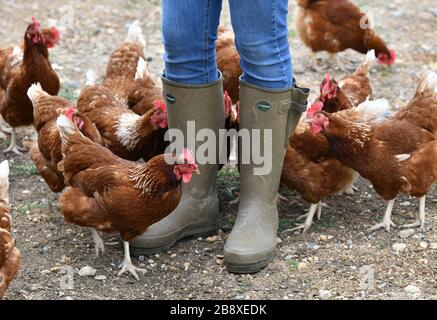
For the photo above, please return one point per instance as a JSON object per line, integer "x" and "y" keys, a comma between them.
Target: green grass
{"x": 228, "y": 180}
{"x": 326, "y": 222}
{"x": 286, "y": 224}
{"x": 25, "y": 170}
{"x": 293, "y": 264}
{"x": 68, "y": 93}
{"x": 41, "y": 204}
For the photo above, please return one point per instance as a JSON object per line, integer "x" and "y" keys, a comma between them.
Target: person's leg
{"x": 270, "y": 103}
{"x": 189, "y": 34}
{"x": 261, "y": 37}
{"x": 193, "y": 92}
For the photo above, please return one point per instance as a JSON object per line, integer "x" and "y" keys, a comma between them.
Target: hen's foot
{"x": 309, "y": 220}
{"x": 386, "y": 224}
{"x": 416, "y": 224}
{"x": 127, "y": 265}
{"x": 234, "y": 202}
{"x": 14, "y": 149}
{"x": 304, "y": 227}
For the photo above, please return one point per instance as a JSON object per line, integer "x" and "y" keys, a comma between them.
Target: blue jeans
{"x": 261, "y": 36}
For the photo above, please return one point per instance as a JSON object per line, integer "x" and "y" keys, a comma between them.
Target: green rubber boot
{"x": 198, "y": 212}
{"x": 252, "y": 243}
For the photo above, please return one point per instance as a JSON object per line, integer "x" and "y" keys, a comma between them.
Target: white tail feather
{"x": 35, "y": 92}
{"x": 16, "y": 56}
{"x": 90, "y": 78}
{"x": 430, "y": 82}
{"x": 135, "y": 34}
{"x": 376, "y": 110}
{"x": 403, "y": 157}
{"x": 142, "y": 70}
{"x": 4, "y": 169}
{"x": 370, "y": 58}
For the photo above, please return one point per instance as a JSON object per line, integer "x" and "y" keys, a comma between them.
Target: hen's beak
{"x": 197, "y": 171}
{"x": 307, "y": 120}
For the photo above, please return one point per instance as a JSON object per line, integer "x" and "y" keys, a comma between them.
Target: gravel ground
{"x": 337, "y": 259}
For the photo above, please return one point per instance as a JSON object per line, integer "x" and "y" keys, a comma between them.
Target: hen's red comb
{"x": 159, "y": 104}
{"x": 328, "y": 77}
{"x": 34, "y": 21}
{"x": 56, "y": 33}
{"x": 392, "y": 57}
{"x": 70, "y": 113}
{"x": 315, "y": 107}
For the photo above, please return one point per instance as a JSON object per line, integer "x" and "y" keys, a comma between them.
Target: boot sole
{"x": 185, "y": 234}
{"x": 249, "y": 268}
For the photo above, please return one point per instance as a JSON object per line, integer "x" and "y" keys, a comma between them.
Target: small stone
{"x": 187, "y": 266}
{"x": 349, "y": 242}
{"x": 36, "y": 287}
{"x": 405, "y": 204}
{"x": 325, "y": 294}
{"x": 212, "y": 239}
{"x": 302, "y": 265}
{"x": 424, "y": 245}
{"x": 312, "y": 246}
{"x": 399, "y": 247}
{"x": 100, "y": 278}
{"x": 433, "y": 11}
{"x": 141, "y": 258}
{"x": 65, "y": 260}
{"x": 433, "y": 245}
{"x": 87, "y": 271}
{"x": 220, "y": 262}
{"x": 55, "y": 269}
{"x": 25, "y": 192}
{"x": 407, "y": 233}
{"x": 45, "y": 272}
{"x": 323, "y": 238}
{"x": 412, "y": 289}
{"x": 174, "y": 255}
{"x": 278, "y": 240}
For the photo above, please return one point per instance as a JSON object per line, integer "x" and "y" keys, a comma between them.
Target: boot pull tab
{"x": 170, "y": 98}
{"x": 295, "y": 108}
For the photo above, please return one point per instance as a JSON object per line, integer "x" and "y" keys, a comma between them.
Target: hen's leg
{"x": 422, "y": 214}
{"x": 340, "y": 63}
{"x": 315, "y": 63}
{"x": 98, "y": 242}
{"x": 4, "y": 126}
{"x": 319, "y": 210}
{"x": 309, "y": 220}
{"x": 127, "y": 265}
{"x": 282, "y": 198}
{"x": 13, "y": 147}
{"x": 386, "y": 222}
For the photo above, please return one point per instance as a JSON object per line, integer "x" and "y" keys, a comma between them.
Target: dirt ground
{"x": 338, "y": 254}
